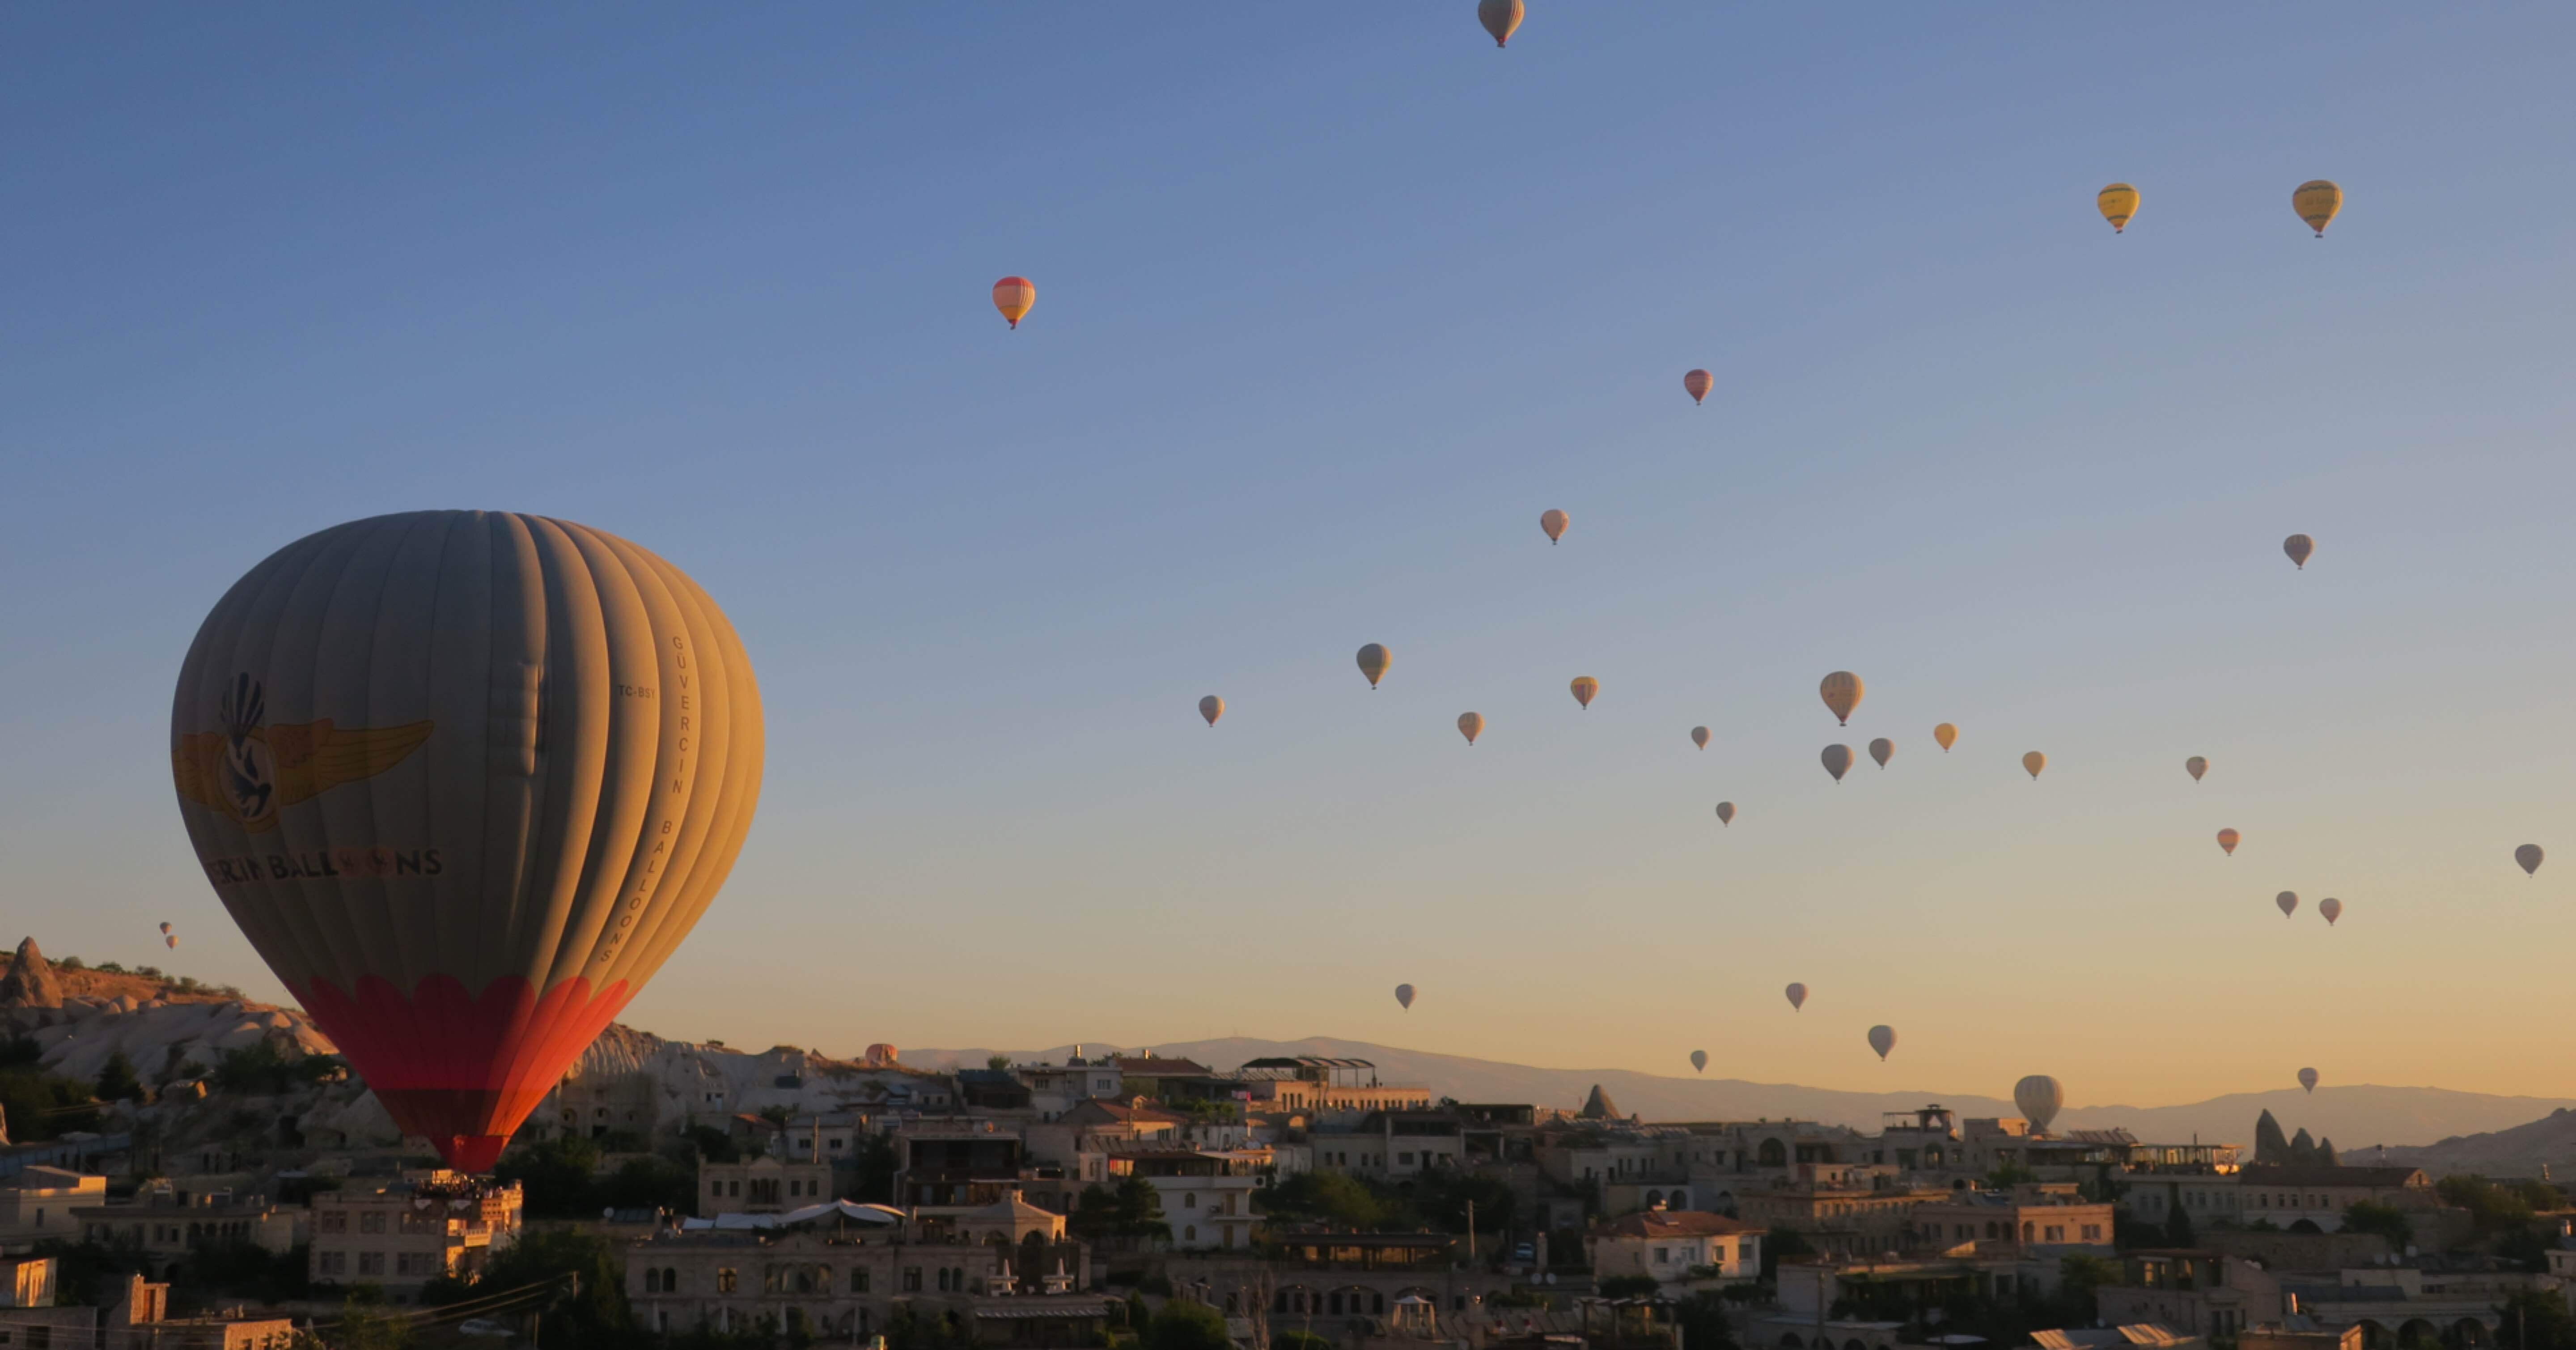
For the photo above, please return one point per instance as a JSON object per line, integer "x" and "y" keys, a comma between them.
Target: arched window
{"x": 670, "y": 1279}
{"x": 1189, "y": 1199}
{"x": 1190, "y": 1234}
{"x": 1377, "y": 1303}
{"x": 652, "y": 1281}
{"x": 2025, "y": 1232}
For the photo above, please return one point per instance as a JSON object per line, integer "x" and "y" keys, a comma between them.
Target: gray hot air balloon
{"x": 465, "y": 779}
{"x": 1882, "y": 1038}
{"x": 2308, "y": 1079}
{"x": 2529, "y": 856}
{"x": 1375, "y": 660}
{"x": 1699, "y": 1061}
{"x": 1699, "y": 737}
{"x": 1882, "y": 750}
{"x": 1797, "y": 996}
{"x": 2288, "y": 901}
{"x": 1404, "y": 995}
{"x": 2300, "y": 548}
{"x": 2331, "y": 908}
{"x": 1837, "y": 760}
{"x": 1726, "y": 813}
{"x": 1211, "y": 708}
{"x": 2039, "y": 1098}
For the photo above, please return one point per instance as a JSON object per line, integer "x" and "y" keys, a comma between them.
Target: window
{"x": 332, "y": 1221}
{"x": 1404, "y": 1158}
{"x": 912, "y": 1279}
{"x": 1189, "y": 1199}
{"x": 858, "y": 1279}
{"x": 943, "y": 1279}
{"x": 371, "y": 1263}
{"x": 334, "y": 1263}
{"x": 652, "y": 1280}
{"x": 727, "y": 1280}
{"x": 1189, "y": 1234}
{"x": 372, "y": 1223}
{"x": 2092, "y": 1232}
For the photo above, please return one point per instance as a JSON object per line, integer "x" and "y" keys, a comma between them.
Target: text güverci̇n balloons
{"x": 465, "y": 779}
{"x": 2039, "y": 1097}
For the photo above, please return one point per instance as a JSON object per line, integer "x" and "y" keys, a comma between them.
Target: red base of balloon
{"x": 459, "y": 1069}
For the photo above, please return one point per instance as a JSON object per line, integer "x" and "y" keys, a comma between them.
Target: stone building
{"x": 404, "y": 1235}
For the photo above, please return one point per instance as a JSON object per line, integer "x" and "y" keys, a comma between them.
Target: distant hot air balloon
{"x": 2227, "y": 841}
{"x": 2529, "y": 856}
{"x": 504, "y": 763}
{"x": 1698, "y": 383}
{"x": 2039, "y": 1098}
{"x": 1726, "y": 813}
{"x": 1882, "y": 750}
{"x": 2308, "y": 1079}
{"x": 1013, "y": 296}
{"x": 1471, "y": 725}
{"x": 1404, "y": 996}
{"x": 1797, "y": 997}
{"x": 1882, "y": 1038}
{"x": 1945, "y": 736}
{"x": 1837, "y": 761}
{"x": 1584, "y": 687}
{"x": 2299, "y": 546}
{"x": 2317, "y": 201}
{"x": 172, "y": 941}
{"x": 2331, "y": 908}
{"x": 1554, "y": 523}
{"x": 1699, "y": 737}
{"x": 1500, "y": 18}
{"x": 1842, "y": 693}
{"x": 2288, "y": 901}
{"x": 880, "y": 1055}
{"x": 1699, "y": 1061}
{"x": 2195, "y": 766}
{"x": 165, "y": 930}
{"x": 2118, "y": 202}
{"x": 1374, "y": 660}
{"x": 2034, "y": 762}
{"x": 1211, "y": 708}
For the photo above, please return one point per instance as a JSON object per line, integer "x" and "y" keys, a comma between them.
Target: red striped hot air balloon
{"x": 465, "y": 779}
{"x": 1697, "y": 383}
{"x": 1014, "y": 296}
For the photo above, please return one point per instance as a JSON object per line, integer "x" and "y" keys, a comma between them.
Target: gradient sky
{"x": 1333, "y": 301}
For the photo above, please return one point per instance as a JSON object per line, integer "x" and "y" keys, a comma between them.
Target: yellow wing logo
{"x": 250, "y": 770}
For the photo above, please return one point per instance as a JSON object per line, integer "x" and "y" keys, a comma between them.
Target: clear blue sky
{"x": 1332, "y": 303}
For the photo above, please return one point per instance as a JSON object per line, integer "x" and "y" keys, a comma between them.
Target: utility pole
{"x": 1471, "y": 1232}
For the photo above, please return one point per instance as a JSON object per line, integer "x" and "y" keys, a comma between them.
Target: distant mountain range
{"x": 2357, "y": 1118}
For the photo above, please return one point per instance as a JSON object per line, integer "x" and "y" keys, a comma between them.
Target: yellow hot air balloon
{"x": 1882, "y": 750}
{"x": 1697, "y": 383}
{"x": 2034, "y": 762}
{"x": 1726, "y": 813}
{"x": 1699, "y": 737}
{"x": 1374, "y": 659}
{"x": 1946, "y": 735}
{"x": 1584, "y": 688}
{"x": 1471, "y": 725}
{"x": 1500, "y": 18}
{"x": 2529, "y": 856}
{"x": 2317, "y": 201}
{"x": 1013, "y": 296}
{"x": 1842, "y": 693}
{"x": 1554, "y": 522}
{"x": 2227, "y": 841}
{"x": 1837, "y": 761}
{"x": 2195, "y": 766}
{"x": 2118, "y": 202}
{"x": 1211, "y": 708}
{"x": 2299, "y": 546}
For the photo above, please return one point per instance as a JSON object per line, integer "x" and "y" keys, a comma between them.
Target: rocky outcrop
{"x": 1598, "y": 1106}
{"x": 2270, "y": 1145}
{"x": 31, "y": 981}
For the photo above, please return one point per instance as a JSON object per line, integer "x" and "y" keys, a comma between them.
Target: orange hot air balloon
{"x": 1797, "y": 996}
{"x": 1837, "y": 760}
{"x": 1554, "y": 522}
{"x": 2033, "y": 762}
{"x": 1211, "y": 708}
{"x": 1947, "y": 735}
{"x": 2299, "y": 546}
{"x": 881, "y": 1055}
{"x": 1013, "y": 296}
{"x": 1584, "y": 688}
{"x": 1699, "y": 737}
{"x": 465, "y": 779}
{"x": 1501, "y": 18}
{"x": 1471, "y": 725}
{"x": 2331, "y": 908}
{"x": 1842, "y": 692}
{"x": 1697, "y": 383}
{"x": 2227, "y": 841}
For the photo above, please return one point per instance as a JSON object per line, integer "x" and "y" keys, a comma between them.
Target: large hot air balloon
{"x": 1882, "y": 750}
{"x": 1500, "y": 18}
{"x": 2288, "y": 901}
{"x": 1797, "y": 996}
{"x": 2034, "y": 762}
{"x": 2299, "y": 546}
{"x": 2195, "y": 766}
{"x": 2317, "y": 201}
{"x": 1726, "y": 813}
{"x": 2308, "y": 1079}
{"x": 1554, "y": 522}
{"x": 1837, "y": 761}
{"x": 465, "y": 779}
{"x": 1699, "y": 1061}
{"x": 2039, "y": 1098}
{"x": 2227, "y": 841}
{"x": 1013, "y": 296}
{"x": 1945, "y": 736}
{"x": 2331, "y": 908}
{"x": 2529, "y": 856}
{"x": 1471, "y": 725}
{"x": 1842, "y": 692}
{"x": 2118, "y": 202}
{"x": 1374, "y": 660}
{"x": 1699, "y": 737}
{"x": 1697, "y": 383}
{"x": 1882, "y": 1038}
{"x": 1584, "y": 687}
{"x": 1404, "y": 996}
{"x": 1211, "y": 708}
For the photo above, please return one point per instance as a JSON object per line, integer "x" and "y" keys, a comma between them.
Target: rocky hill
{"x": 2546, "y": 1146}
{"x": 170, "y": 1030}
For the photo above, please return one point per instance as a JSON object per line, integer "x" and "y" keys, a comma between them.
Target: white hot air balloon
{"x": 2039, "y": 1097}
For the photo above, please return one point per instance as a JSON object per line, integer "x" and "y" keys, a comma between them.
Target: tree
{"x": 1703, "y": 1322}
{"x": 2178, "y": 1230}
{"x": 596, "y": 1316}
{"x": 1330, "y": 1196}
{"x": 997, "y": 1063}
{"x": 362, "y": 1325}
{"x": 2388, "y": 1221}
{"x": 554, "y": 1177}
{"x": 648, "y": 1183}
{"x": 1187, "y": 1326}
{"x": 116, "y": 1080}
{"x": 2009, "y": 1175}
{"x": 1778, "y": 1245}
{"x": 2535, "y": 1319}
{"x": 876, "y": 1166}
{"x": 2078, "y": 1276}
{"x": 1443, "y": 1197}
{"x": 1627, "y": 1286}
{"x": 713, "y": 1144}
{"x": 2492, "y": 1207}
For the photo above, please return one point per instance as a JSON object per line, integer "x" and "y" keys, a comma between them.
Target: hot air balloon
{"x": 2316, "y": 201}
{"x": 1699, "y": 1061}
{"x": 172, "y": 942}
{"x": 165, "y": 930}
{"x": 1013, "y": 296}
{"x": 1554, "y": 523}
{"x": 2529, "y": 856}
{"x": 1882, "y": 750}
{"x": 1699, "y": 737}
{"x": 2034, "y": 762}
{"x": 1404, "y": 996}
{"x": 1945, "y": 736}
{"x": 1842, "y": 692}
{"x": 2118, "y": 202}
{"x": 1584, "y": 687}
{"x": 880, "y": 1055}
{"x": 1374, "y": 660}
{"x": 1211, "y": 708}
{"x": 1500, "y": 18}
{"x": 1797, "y": 997}
{"x": 2288, "y": 901}
{"x": 2331, "y": 908}
{"x": 1837, "y": 761}
{"x": 465, "y": 779}
{"x": 2308, "y": 1079}
{"x": 1471, "y": 725}
{"x": 1882, "y": 1038}
{"x": 2039, "y": 1098}
{"x": 2227, "y": 841}
{"x": 1726, "y": 813}
{"x": 1698, "y": 383}
{"x": 2299, "y": 546}
{"x": 2195, "y": 766}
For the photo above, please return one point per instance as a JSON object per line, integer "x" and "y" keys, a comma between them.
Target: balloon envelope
{"x": 1842, "y": 692}
{"x": 1797, "y": 996}
{"x": 1699, "y": 1061}
{"x": 1837, "y": 760}
{"x": 1882, "y": 1039}
{"x": 2227, "y": 840}
{"x": 2039, "y": 1097}
{"x": 1471, "y": 725}
{"x": 1404, "y": 995}
{"x": 1882, "y": 750}
{"x": 2317, "y": 201}
{"x": 2299, "y": 546}
{"x": 1698, "y": 383}
{"x": 165, "y": 928}
{"x": 2288, "y": 901}
{"x": 172, "y": 941}
{"x": 1211, "y": 708}
{"x": 1554, "y": 522}
{"x": 1374, "y": 660}
{"x": 1699, "y": 737}
{"x": 2195, "y": 766}
{"x": 1584, "y": 687}
{"x": 1014, "y": 296}
{"x": 2308, "y": 1079}
{"x": 465, "y": 779}
{"x": 2529, "y": 856}
{"x": 1726, "y": 813}
{"x": 1945, "y": 736}
{"x": 2331, "y": 908}
{"x": 2118, "y": 202}
{"x": 1500, "y": 18}
{"x": 2034, "y": 762}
